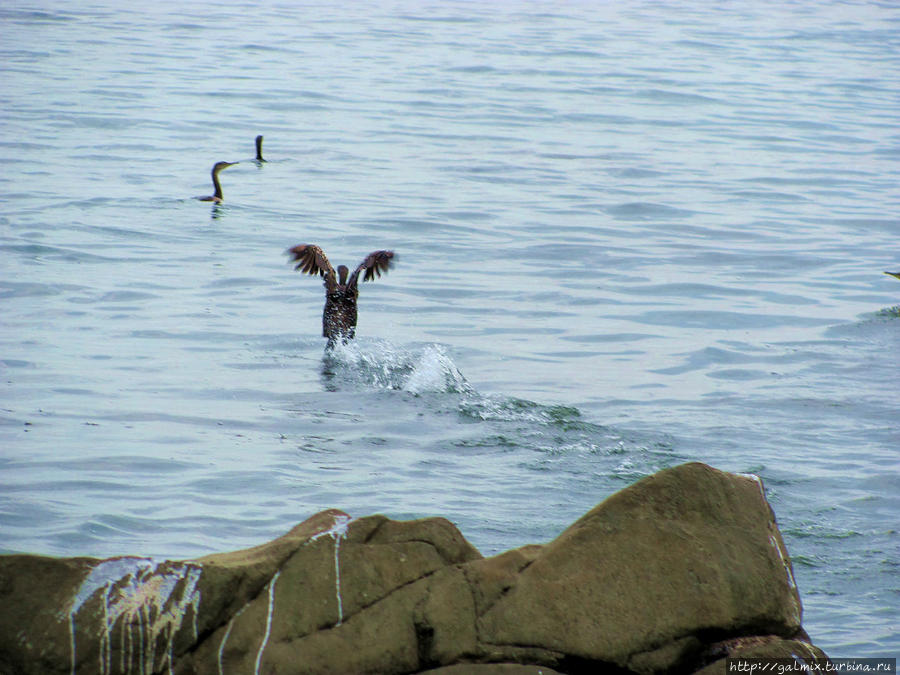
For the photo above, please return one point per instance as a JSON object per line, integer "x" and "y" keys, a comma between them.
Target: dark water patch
{"x": 42, "y": 251}
{"x": 25, "y": 56}
{"x": 24, "y": 289}
{"x": 646, "y": 211}
{"x": 439, "y": 19}
{"x": 35, "y": 16}
{"x": 770, "y": 195}
{"x": 615, "y": 123}
{"x": 587, "y": 54}
{"x": 610, "y": 337}
{"x": 261, "y": 47}
{"x": 891, "y": 225}
{"x": 125, "y": 296}
{"x": 236, "y": 282}
{"x": 473, "y": 69}
{"x": 725, "y": 320}
{"x": 73, "y": 391}
{"x": 15, "y": 363}
{"x": 634, "y": 172}
{"x": 806, "y": 181}
{"x": 688, "y": 290}
{"x": 712, "y": 356}
{"x": 122, "y": 464}
{"x": 740, "y": 375}
{"x": 670, "y": 96}
{"x": 470, "y": 216}
{"x": 188, "y": 27}
{"x": 203, "y": 336}
{"x": 493, "y": 442}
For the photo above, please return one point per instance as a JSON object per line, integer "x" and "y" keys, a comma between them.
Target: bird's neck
{"x": 217, "y": 186}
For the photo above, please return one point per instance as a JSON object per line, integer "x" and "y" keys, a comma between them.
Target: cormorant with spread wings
{"x": 341, "y": 292}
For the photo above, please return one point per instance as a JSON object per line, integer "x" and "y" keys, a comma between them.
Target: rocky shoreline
{"x": 670, "y": 575}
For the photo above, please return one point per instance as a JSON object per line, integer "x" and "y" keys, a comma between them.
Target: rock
{"x": 760, "y": 647}
{"x": 676, "y": 572}
{"x": 678, "y": 554}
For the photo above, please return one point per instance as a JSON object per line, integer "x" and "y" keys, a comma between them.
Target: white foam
{"x": 435, "y": 371}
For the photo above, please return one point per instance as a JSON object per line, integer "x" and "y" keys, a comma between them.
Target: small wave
{"x": 562, "y": 438}
{"x": 510, "y": 409}
{"x": 383, "y": 365}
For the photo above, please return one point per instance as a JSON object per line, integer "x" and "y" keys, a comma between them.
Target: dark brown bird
{"x": 217, "y": 195}
{"x": 341, "y": 292}
{"x": 259, "y": 157}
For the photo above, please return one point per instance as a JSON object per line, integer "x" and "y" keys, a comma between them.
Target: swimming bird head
{"x": 216, "y": 196}
{"x": 343, "y": 271}
{"x": 218, "y": 166}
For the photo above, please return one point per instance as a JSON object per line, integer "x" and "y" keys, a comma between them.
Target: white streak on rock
{"x": 337, "y": 531}
{"x": 759, "y": 483}
{"x": 72, "y": 640}
{"x": 265, "y": 639}
{"x": 784, "y": 561}
{"x": 222, "y": 646}
{"x": 100, "y": 576}
{"x": 143, "y": 597}
{"x": 225, "y": 637}
{"x": 337, "y": 580}
{"x": 790, "y": 577}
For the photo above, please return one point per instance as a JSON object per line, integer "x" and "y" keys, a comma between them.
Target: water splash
{"x": 429, "y": 369}
{"x": 150, "y": 601}
{"x": 382, "y": 365}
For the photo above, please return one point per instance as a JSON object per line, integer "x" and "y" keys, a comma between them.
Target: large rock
{"x": 676, "y": 572}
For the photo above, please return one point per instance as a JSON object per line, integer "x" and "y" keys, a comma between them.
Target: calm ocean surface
{"x": 628, "y": 236}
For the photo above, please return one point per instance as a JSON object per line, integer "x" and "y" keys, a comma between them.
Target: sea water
{"x": 627, "y": 236}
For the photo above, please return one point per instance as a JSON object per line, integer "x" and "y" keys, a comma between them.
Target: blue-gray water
{"x": 628, "y": 235}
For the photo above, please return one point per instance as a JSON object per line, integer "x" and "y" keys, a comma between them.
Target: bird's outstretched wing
{"x": 311, "y": 259}
{"x": 894, "y": 274}
{"x": 375, "y": 264}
